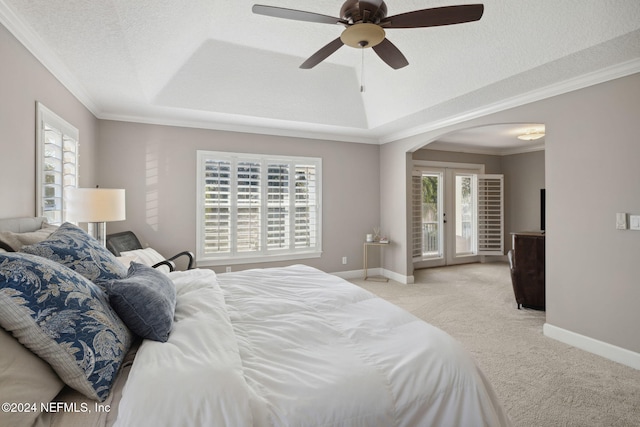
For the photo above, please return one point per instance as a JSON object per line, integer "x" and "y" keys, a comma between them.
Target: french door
{"x": 457, "y": 215}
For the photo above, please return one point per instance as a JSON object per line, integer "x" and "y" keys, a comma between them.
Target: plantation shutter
{"x": 416, "y": 214}
{"x": 490, "y": 214}
{"x": 217, "y": 207}
{"x": 278, "y": 206}
{"x": 306, "y": 224}
{"x": 57, "y": 163}
{"x": 247, "y": 206}
{"x": 257, "y": 207}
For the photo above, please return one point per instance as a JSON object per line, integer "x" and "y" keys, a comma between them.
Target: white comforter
{"x": 297, "y": 347}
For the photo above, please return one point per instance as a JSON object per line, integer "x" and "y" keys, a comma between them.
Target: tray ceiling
{"x": 215, "y": 64}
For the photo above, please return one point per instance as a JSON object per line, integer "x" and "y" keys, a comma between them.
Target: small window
{"x": 256, "y": 208}
{"x": 57, "y": 163}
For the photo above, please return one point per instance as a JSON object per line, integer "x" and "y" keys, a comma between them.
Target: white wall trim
{"x": 359, "y": 274}
{"x": 600, "y": 348}
{"x": 575, "y": 83}
{"x": 405, "y": 280}
{"x": 354, "y": 274}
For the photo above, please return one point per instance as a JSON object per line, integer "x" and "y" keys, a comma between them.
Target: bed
{"x": 290, "y": 346}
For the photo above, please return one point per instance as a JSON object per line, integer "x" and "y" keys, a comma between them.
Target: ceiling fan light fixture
{"x": 363, "y": 35}
{"x": 531, "y": 135}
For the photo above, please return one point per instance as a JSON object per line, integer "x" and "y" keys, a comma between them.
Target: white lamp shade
{"x": 95, "y": 204}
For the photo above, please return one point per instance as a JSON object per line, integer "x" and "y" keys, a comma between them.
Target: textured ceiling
{"x": 214, "y": 64}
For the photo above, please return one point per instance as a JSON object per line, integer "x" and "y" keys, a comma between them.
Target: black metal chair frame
{"x": 128, "y": 241}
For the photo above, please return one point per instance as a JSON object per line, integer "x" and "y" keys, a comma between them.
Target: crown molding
{"x": 251, "y": 125}
{"x": 612, "y": 72}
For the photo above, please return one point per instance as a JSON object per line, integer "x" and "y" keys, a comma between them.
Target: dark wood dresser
{"x": 526, "y": 261}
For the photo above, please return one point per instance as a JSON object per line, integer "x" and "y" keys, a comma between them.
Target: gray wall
{"x": 23, "y": 81}
{"x": 592, "y": 173}
{"x": 523, "y": 179}
{"x": 591, "y": 156}
{"x": 156, "y": 164}
{"x": 157, "y": 167}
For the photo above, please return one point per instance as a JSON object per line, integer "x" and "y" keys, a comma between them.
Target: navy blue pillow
{"x": 72, "y": 247}
{"x": 145, "y": 300}
{"x": 63, "y": 318}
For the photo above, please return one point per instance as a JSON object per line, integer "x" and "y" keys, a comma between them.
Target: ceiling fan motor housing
{"x": 354, "y": 11}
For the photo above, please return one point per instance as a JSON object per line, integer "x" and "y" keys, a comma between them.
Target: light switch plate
{"x": 634, "y": 222}
{"x": 621, "y": 221}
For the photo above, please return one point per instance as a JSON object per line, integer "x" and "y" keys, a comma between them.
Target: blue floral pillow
{"x": 65, "y": 319}
{"x": 73, "y": 247}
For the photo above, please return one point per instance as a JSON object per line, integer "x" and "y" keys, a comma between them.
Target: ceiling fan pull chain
{"x": 362, "y": 72}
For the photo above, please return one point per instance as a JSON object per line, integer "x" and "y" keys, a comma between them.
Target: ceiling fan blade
{"x": 322, "y": 54}
{"x": 435, "y": 17}
{"x": 390, "y": 54}
{"x": 297, "y": 15}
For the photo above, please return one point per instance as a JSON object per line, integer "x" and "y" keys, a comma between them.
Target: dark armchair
{"x": 127, "y": 241}
{"x": 528, "y": 282}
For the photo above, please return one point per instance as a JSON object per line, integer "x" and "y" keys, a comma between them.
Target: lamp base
{"x": 98, "y": 230}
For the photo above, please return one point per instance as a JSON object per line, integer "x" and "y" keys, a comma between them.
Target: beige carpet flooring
{"x": 540, "y": 381}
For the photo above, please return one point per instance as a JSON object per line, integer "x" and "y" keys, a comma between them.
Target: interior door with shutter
{"x": 490, "y": 215}
{"x": 478, "y": 206}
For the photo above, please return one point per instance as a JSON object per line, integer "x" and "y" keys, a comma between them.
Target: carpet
{"x": 540, "y": 381}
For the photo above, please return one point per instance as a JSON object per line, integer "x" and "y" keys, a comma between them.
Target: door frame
{"x": 449, "y": 169}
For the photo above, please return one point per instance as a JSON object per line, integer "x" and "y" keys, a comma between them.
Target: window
{"x": 255, "y": 208}
{"x": 57, "y": 163}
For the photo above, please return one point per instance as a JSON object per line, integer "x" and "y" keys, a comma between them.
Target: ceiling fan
{"x": 366, "y": 21}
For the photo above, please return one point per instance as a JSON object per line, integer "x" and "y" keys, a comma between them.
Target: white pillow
{"x": 127, "y": 260}
{"x": 147, "y": 256}
{"x": 17, "y": 240}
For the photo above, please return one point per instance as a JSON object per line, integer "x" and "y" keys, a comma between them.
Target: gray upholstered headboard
{"x": 22, "y": 225}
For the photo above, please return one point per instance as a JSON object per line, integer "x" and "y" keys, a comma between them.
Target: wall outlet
{"x": 344, "y": 260}
{"x": 621, "y": 221}
{"x": 634, "y": 222}
{"x": 228, "y": 270}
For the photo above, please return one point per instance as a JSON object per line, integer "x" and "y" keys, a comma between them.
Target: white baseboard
{"x": 354, "y": 274}
{"x": 406, "y": 280}
{"x": 601, "y": 348}
{"x": 359, "y": 274}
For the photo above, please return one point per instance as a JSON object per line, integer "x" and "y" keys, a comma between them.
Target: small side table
{"x": 366, "y": 247}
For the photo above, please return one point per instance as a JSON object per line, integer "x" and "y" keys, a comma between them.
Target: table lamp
{"x": 95, "y": 206}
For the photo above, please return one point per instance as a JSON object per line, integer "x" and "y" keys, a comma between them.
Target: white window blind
{"x": 57, "y": 163}
{"x": 490, "y": 215}
{"x": 255, "y": 208}
{"x": 416, "y": 215}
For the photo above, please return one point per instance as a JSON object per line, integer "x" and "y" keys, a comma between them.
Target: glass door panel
{"x": 432, "y": 215}
{"x": 465, "y": 213}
